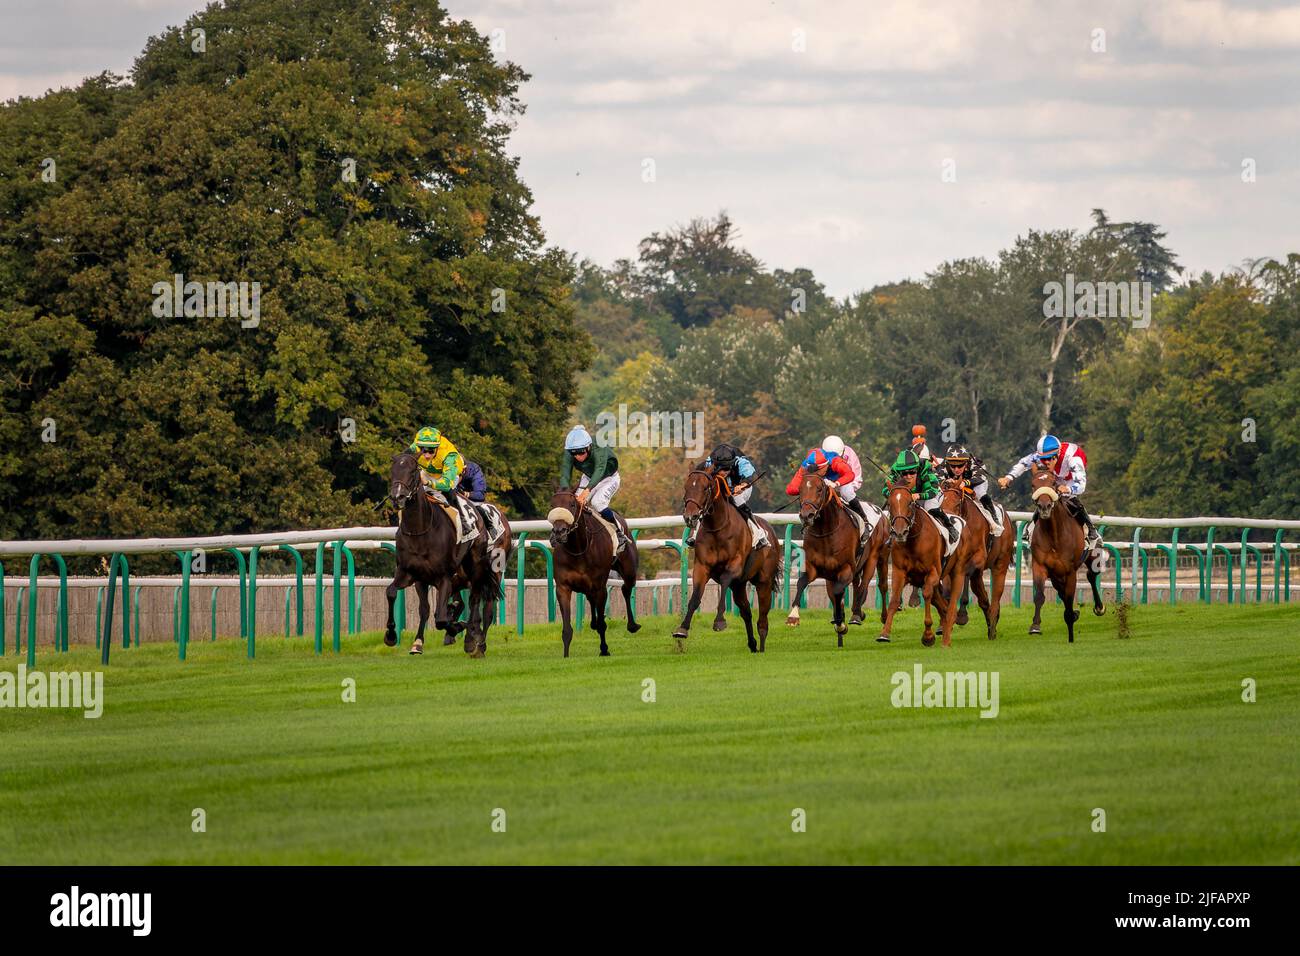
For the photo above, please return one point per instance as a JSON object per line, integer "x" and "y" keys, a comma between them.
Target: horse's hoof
{"x": 841, "y": 629}
{"x": 791, "y": 622}
{"x": 416, "y": 648}
{"x": 962, "y": 618}
{"x": 927, "y": 641}
{"x": 1099, "y": 609}
{"x": 478, "y": 653}
{"x": 1035, "y": 629}
{"x": 390, "y": 640}
{"x": 720, "y": 625}
{"x": 604, "y": 652}
{"x": 753, "y": 648}
{"x": 633, "y": 627}
{"x": 856, "y": 620}
{"x": 883, "y": 639}
{"x": 680, "y": 634}
{"x": 449, "y": 640}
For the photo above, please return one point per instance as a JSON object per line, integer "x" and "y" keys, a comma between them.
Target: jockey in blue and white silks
{"x": 1069, "y": 465}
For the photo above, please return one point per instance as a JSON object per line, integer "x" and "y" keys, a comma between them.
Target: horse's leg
{"x": 998, "y": 578}
{"x": 1040, "y": 595}
{"x": 421, "y": 589}
{"x": 627, "y": 569}
{"x": 1094, "y": 582}
{"x": 1067, "y": 588}
{"x": 896, "y": 592}
{"x": 740, "y": 595}
{"x": 835, "y": 591}
{"x": 929, "y": 591}
{"x": 597, "y": 601}
{"x": 982, "y": 595}
{"x": 860, "y": 578}
{"x": 564, "y": 597}
{"x": 473, "y": 630}
{"x": 882, "y": 580}
{"x": 400, "y": 580}
{"x": 963, "y": 618}
{"x": 792, "y": 619}
{"x": 699, "y": 578}
{"x": 764, "y": 606}
{"x": 948, "y": 616}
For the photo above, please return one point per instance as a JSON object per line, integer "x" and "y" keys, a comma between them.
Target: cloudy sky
{"x": 824, "y": 127}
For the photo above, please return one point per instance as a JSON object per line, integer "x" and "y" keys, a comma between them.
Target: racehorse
{"x": 973, "y": 555}
{"x": 1056, "y": 551}
{"x": 833, "y": 550}
{"x": 583, "y": 551}
{"x": 916, "y": 556}
{"x": 428, "y": 554}
{"x": 725, "y": 553}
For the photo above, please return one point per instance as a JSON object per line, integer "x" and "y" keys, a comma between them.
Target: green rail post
{"x": 31, "y": 613}
{"x": 1020, "y": 544}
{"x": 1168, "y": 552}
{"x": 352, "y": 585}
{"x": 1248, "y": 549}
{"x": 549, "y": 557}
{"x": 582, "y": 608}
{"x": 287, "y": 595}
{"x": 320, "y": 595}
{"x": 18, "y": 618}
{"x": 1230, "y": 562}
{"x": 1119, "y": 567}
{"x": 399, "y": 624}
{"x": 787, "y": 545}
{"x": 107, "y": 642}
{"x": 99, "y": 606}
{"x": 1133, "y": 578}
{"x": 183, "y": 635}
{"x": 1279, "y": 555}
{"x": 252, "y": 600}
{"x": 1209, "y": 565}
{"x": 138, "y": 589}
{"x": 338, "y": 597}
{"x": 243, "y": 591}
{"x": 297, "y": 567}
{"x": 680, "y": 548}
{"x": 215, "y": 589}
{"x": 522, "y": 546}
{"x": 1173, "y": 568}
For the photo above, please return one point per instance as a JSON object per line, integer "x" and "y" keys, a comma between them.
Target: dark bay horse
{"x": 916, "y": 556}
{"x": 973, "y": 555}
{"x": 428, "y": 554}
{"x": 584, "y": 555}
{"x": 832, "y": 551}
{"x": 725, "y": 553}
{"x": 1056, "y": 552}
{"x": 996, "y": 559}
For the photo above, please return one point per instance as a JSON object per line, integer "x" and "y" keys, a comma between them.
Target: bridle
{"x": 1046, "y": 490}
{"x": 401, "y": 495}
{"x": 910, "y": 517}
{"x": 819, "y": 504}
{"x": 561, "y": 536}
{"x": 711, "y": 496}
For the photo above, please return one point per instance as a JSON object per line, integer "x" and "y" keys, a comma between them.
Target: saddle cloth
{"x": 949, "y": 544}
{"x": 493, "y": 519}
{"x": 613, "y": 533}
{"x": 997, "y": 522}
{"x": 463, "y": 534}
{"x": 757, "y": 535}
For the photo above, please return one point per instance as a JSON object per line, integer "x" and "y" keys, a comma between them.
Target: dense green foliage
{"x": 1152, "y": 729}
{"x": 418, "y": 291}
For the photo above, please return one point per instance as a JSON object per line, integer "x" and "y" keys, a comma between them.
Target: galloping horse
{"x": 972, "y": 557}
{"x": 916, "y": 555}
{"x": 428, "y": 554}
{"x": 584, "y": 555}
{"x": 725, "y": 553}
{"x": 832, "y": 549}
{"x": 1056, "y": 551}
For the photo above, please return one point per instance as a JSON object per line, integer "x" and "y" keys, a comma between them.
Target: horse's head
{"x": 698, "y": 495}
{"x": 403, "y": 479}
{"x": 952, "y": 491}
{"x": 901, "y": 514}
{"x": 814, "y": 495}
{"x": 563, "y": 515}
{"x": 1043, "y": 489}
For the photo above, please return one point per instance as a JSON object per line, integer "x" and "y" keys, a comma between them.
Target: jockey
{"x": 599, "y": 476}
{"x": 734, "y": 465}
{"x": 440, "y": 470}
{"x": 473, "y": 485}
{"x": 1069, "y": 464}
{"x": 961, "y": 464}
{"x": 833, "y": 468}
{"x": 833, "y": 446}
{"x": 911, "y": 469}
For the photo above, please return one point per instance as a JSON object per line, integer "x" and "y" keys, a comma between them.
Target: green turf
{"x": 1152, "y": 729}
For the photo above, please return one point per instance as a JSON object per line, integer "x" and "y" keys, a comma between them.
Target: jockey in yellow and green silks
{"x": 440, "y": 468}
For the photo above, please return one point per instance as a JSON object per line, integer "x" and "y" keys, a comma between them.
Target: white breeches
{"x": 602, "y": 492}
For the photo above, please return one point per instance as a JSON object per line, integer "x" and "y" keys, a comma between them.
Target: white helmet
{"x": 833, "y": 445}
{"x": 577, "y": 439}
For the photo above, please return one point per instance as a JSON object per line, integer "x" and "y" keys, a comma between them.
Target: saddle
{"x": 949, "y": 544}
{"x": 463, "y": 533}
{"x": 609, "y": 527}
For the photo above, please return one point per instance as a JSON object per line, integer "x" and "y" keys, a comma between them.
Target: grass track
{"x": 1151, "y": 729}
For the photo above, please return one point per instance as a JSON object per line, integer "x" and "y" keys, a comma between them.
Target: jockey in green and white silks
{"x": 598, "y": 476}
{"x": 1070, "y": 466}
{"x": 440, "y": 468}
{"x": 916, "y": 472}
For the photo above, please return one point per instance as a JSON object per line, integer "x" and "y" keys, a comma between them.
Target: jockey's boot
{"x": 946, "y": 520}
{"x": 856, "y": 505}
{"x": 986, "y": 500}
{"x": 760, "y": 537}
{"x": 608, "y": 515}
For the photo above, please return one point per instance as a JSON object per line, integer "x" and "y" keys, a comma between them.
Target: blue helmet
{"x": 577, "y": 439}
{"x": 1048, "y": 446}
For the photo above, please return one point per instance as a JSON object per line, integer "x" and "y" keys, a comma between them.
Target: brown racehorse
{"x": 1056, "y": 552}
{"x": 832, "y": 551}
{"x": 725, "y": 553}
{"x": 916, "y": 556}
{"x": 427, "y": 554}
{"x": 584, "y": 555}
{"x": 977, "y": 552}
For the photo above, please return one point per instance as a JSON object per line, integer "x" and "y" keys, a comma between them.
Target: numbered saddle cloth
{"x": 463, "y": 533}
{"x": 997, "y": 522}
{"x": 492, "y": 518}
{"x": 949, "y": 543}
